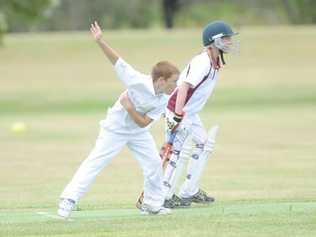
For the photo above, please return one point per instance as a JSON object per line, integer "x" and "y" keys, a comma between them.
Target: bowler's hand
{"x": 96, "y": 31}
{"x": 126, "y": 102}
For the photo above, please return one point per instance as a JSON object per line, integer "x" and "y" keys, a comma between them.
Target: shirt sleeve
{"x": 126, "y": 73}
{"x": 195, "y": 71}
{"x": 156, "y": 113}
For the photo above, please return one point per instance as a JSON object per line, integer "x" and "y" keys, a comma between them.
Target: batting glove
{"x": 174, "y": 121}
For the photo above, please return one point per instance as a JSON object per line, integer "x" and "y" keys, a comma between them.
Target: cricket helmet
{"x": 214, "y": 30}
{"x": 214, "y": 33}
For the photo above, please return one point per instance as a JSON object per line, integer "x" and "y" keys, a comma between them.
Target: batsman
{"x": 195, "y": 85}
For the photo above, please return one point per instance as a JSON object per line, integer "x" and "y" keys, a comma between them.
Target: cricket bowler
{"x": 127, "y": 123}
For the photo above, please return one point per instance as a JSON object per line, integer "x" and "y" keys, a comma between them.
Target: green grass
{"x": 224, "y": 220}
{"x": 262, "y": 173}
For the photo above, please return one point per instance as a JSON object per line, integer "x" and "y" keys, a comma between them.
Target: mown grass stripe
{"x": 244, "y": 209}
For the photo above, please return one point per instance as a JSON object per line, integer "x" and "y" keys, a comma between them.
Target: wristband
{"x": 177, "y": 117}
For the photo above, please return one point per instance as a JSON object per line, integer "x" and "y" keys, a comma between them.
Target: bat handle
{"x": 171, "y": 138}
{"x": 167, "y": 150}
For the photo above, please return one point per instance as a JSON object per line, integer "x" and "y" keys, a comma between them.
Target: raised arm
{"x": 107, "y": 50}
{"x": 141, "y": 120}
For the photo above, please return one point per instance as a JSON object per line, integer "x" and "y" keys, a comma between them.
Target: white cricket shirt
{"x": 200, "y": 74}
{"x": 141, "y": 92}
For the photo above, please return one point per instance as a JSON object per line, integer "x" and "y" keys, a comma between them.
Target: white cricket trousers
{"x": 109, "y": 144}
{"x": 190, "y": 125}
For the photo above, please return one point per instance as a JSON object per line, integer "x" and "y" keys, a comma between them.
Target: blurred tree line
{"x": 63, "y": 15}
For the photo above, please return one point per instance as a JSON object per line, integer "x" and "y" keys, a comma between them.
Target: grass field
{"x": 263, "y": 171}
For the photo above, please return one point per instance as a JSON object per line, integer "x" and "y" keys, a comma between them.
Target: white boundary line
{"x": 46, "y": 214}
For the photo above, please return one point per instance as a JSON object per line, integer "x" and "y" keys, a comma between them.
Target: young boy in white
{"x": 127, "y": 123}
{"x": 195, "y": 85}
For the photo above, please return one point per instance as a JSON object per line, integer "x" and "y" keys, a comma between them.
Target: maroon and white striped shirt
{"x": 202, "y": 77}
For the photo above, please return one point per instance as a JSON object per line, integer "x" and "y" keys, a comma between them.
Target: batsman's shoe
{"x": 65, "y": 207}
{"x": 176, "y": 202}
{"x": 148, "y": 210}
{"x": 200, "y": 197}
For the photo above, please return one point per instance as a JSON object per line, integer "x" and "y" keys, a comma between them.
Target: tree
{"x": 25, "y": 11}
{"x": 300, "y": 11}
{"x": 3, "y": 27}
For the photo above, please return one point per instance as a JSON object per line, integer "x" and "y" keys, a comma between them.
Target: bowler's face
{"x": 171, "y": 84}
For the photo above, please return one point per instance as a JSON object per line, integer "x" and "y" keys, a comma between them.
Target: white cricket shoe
{"x": 149, "y": 210}
{"x": 65, "y": 207}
